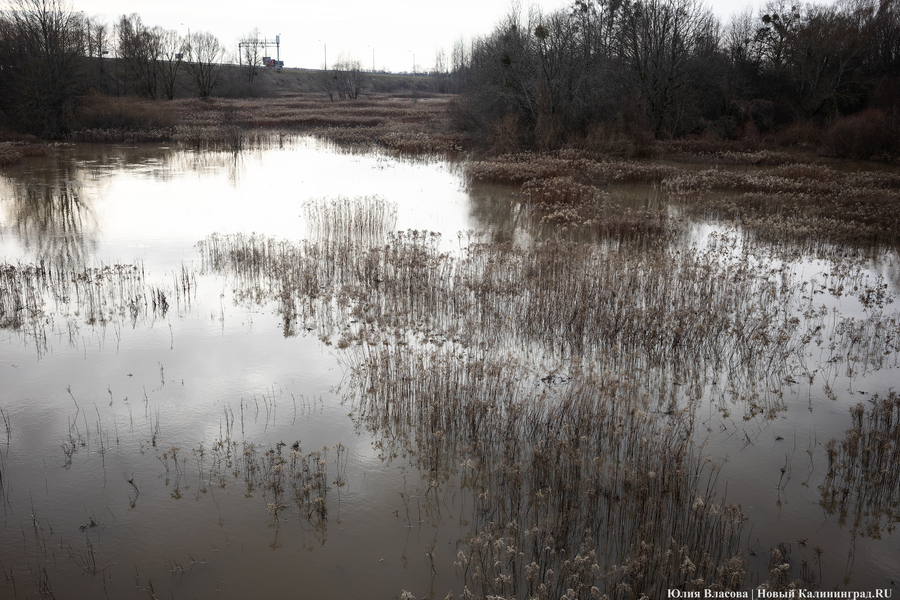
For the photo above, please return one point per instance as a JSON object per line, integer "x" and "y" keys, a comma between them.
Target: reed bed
{"x": 520, "y": 168}
{"x": 402, "y": 139}
{"x": 562, "y": 208}
{"x": 787, "y": 179}
{"x": 632, "y": 304}
{"x": 401, "y": 126}
{"x": 32, "y": 296}
{"x": 304, "y": 111}
{"x": 854, "y": 220}
{"x": 863, "y": 482}
{"x": 819, "y": 210}
{"x": 363, "y": 220}
{"x": 119, "y": 135}
{"x": 815, "y": 209}
{"x": 574, "y": 486}
{"x": 733, "y": 157}
{"x": 657, "y": 314}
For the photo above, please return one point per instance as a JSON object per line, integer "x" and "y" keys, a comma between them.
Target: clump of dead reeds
{"x": 123, "y": 119}
{"x": 574, "y": 486}
{"x": 32, "y": 294}
{"x": 782, "y": 571}
{"x": 363, "y": 221}
{"x": 564, "y": 209}
{"x": 863, "y": 483}
{"x": 810, "y": 205}
{"x": 289, "y": 479}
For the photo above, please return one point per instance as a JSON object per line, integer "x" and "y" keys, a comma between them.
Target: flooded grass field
{"x": 294, "y": 371}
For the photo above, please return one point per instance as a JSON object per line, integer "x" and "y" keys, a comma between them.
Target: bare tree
{"x": 660, "y": 40}
{"x": 250, "y": 50}
{"x": 173, "y": 47}
{"x": 441, "y": 72}
{"x": 42, "y": 69}
{"x": 328, "y": 83}
{"x": 96, "y": 46}
{"x": 139, "y": 52}
{"x": 460, "y": 59}
{"x": 348, "y": 77}
{"x": 205, "y": 55}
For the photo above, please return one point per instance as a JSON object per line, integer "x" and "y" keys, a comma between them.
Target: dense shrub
{"x": 129, "y": 114}
{"x": 871, "y": 133}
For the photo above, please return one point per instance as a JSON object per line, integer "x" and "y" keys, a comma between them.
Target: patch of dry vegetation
{"x": 575, "y": 486}
{"x": 110, "y": 119}
{"x": 406, "y": 126}
{"x": 863, "y": 482}
{"x": 811, "y": 206}
{"x": 807, "y": 204}
{"x": 54, "y": 297}
{"x": 14, "y": 153}
{"x": 519, "y": 168}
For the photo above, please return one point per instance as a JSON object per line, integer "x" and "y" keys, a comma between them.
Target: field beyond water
{"x": 255, "y": 347}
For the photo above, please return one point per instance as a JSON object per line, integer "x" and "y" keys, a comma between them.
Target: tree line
{"x": 653, "y": 68}
{"x": 51, "y": 56}
{"x": 670, "y": 68}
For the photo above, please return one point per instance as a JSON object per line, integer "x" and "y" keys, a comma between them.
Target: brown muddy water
{"x": 298, "y": 372}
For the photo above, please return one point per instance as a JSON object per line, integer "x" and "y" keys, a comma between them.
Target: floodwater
{"x": 138, "y": 443}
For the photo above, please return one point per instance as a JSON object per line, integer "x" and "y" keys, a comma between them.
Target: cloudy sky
{"x": 396, "y": 32}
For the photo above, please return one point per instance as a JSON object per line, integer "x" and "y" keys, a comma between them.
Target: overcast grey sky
{"x": 394, "y": 30}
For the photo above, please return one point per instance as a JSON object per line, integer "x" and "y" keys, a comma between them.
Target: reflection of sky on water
{"x": 155, "y": 208}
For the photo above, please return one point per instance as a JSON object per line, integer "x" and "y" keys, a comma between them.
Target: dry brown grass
{"x": 114, "y": 119}
{"x": 401, "y": 125}
{"x": 523, "y": 167}
{"x": 807, "y": 204}
{"x": 408, "y": 126}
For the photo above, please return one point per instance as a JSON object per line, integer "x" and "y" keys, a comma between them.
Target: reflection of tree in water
{"x": 536, "y": 212}
{"x": 50, "y": 216}
{"x": 495, "y": 208}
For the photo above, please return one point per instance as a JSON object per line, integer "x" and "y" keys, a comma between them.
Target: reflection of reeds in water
{"x": 575, "y": 486}
{"x": 32, "y": 297}
{"x": 563, "y": 208}
{"x": 863, "y": 481}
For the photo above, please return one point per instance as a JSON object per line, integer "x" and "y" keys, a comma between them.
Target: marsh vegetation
{"x": 608, "y": 377}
